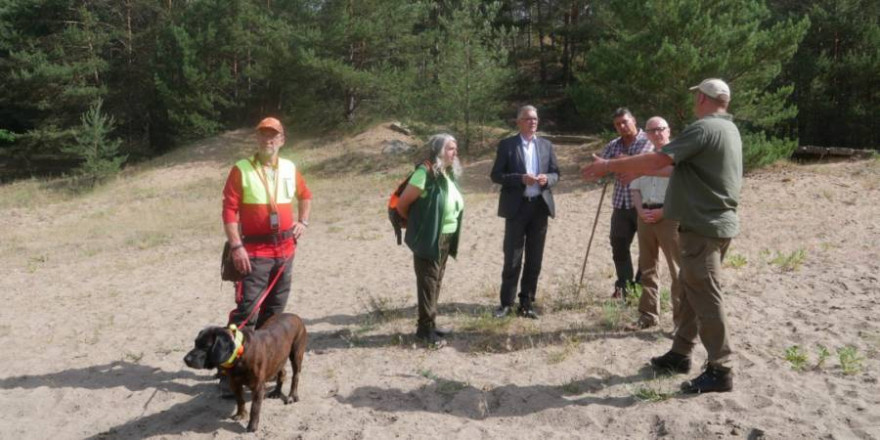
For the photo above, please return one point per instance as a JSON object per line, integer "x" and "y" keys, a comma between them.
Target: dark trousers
{"x": 524, "y": 233}
{"x": 429, "y": 278}
{"x": 249, "y": 289}
{"x": 624, "y": 224}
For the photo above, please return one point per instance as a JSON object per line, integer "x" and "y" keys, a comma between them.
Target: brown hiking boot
{"x": 672, "y": 362}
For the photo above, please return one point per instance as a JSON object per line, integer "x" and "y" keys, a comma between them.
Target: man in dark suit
{"x": 526, "y": 168}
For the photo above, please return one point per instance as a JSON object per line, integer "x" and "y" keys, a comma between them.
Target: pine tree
{"x": 651, "y": 52}
{"x": 99, "y": 153}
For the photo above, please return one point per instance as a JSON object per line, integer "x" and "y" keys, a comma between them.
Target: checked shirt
{"x": 615, "y": 148}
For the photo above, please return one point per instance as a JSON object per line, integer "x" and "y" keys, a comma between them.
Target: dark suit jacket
{"x": 509, "y": 168}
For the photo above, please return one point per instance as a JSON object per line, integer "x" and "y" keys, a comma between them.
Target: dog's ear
{"x": 222, "y": 348}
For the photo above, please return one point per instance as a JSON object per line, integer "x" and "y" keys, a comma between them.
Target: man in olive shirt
{"x": 703, "y": 195}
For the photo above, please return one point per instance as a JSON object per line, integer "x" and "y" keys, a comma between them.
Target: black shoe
{"x": 442, "y": 331}
{"x": 502, "y": 312}
{"x": 672, "y": 362}
{"x": 431, "y": 338}
{"x": 713, "y": 379}
{"x": 527, "y": 312}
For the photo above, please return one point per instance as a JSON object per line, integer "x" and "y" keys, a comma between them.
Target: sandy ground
{"x": 104, "y": 293}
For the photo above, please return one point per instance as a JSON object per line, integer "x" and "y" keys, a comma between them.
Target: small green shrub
{"x": 760, "y": 150}
{"x": 736, "y": 261}
{"x": 850, "y": 360}
{"x": 790, "y": 262}
{"x": 796, "y": 357}
{"x": 665, "y": 300}
{"x": 612, "y": 314}
{"x": 823, "y": 355}
{"x": 634, "y": 294}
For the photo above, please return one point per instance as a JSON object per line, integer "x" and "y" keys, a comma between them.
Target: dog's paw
{"x": 275, "y": 394}
{"x": 252, "y": 427}
{"x": 239, "y": 416}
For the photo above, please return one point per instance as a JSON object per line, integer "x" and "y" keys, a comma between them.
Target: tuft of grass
{"x": 652, "y": 391}
{"x": 573, "y": 386}
{"x": 612, "y": 314}
{"x": 790, "y": 262}
{"x": 133, "y": 357}
{"x": 796, "y": 357}
{"x": 378, "y": 310}
{"x": 571, "y": 345}
{"x": 450, "y": 387}
{"x": 850, "y": 360}
{"x": 568, "y": 296}
{"x": 634, "y": 294}
{"x": 486, "y": 323}
{"x": 823, "y": 355}
{"x": 735, "y": 261}
{"x": 665, "y": 299}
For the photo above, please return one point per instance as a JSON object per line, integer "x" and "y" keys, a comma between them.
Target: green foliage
{"x": 759, "y": 150}
{"x": 649, "y": 53}
{"x": 796, "y": 357}
{"x": 834, "y": 71}
{"x": 823, "y": 355}
{"x": 99, "y": 153}
{"x": 850, "y": 360}
{"x": 634, "y": 294}
{"x": 736, "y": 261}
{"x": 790, "y": 262}
{"x": 612, "y": 314}
{"x": 470, "y": 76}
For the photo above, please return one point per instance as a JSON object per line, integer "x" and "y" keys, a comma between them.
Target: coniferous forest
{"x": 90, "y": 84}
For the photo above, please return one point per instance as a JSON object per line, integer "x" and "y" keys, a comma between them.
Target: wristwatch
{"x": 305, "y": 223}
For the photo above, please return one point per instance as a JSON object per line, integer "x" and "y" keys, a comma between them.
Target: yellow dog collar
{"x": 239, "y": 346}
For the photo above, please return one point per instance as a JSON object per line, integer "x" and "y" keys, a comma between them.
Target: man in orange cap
{"x": 260, "y": 225}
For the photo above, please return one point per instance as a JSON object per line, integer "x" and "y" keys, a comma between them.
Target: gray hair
{"x": 434, "y": 148}
{"x": 526, "y": 108}
{"x": 622, "y": 111}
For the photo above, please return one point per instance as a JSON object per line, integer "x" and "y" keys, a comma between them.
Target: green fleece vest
{"x": 426, "y": 221}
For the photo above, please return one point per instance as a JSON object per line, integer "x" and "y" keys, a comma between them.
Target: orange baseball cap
{"x": 272, "y": 123}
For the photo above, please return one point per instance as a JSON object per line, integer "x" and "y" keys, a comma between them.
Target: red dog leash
{"x": 262, "y": 296}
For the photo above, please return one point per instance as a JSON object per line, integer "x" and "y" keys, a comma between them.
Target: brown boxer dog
{"x": 250, "y": 358}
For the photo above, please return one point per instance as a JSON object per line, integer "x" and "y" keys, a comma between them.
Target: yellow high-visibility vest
{"x": 253, "y": 190}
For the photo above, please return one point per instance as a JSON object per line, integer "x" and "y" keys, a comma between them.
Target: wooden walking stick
{"x": 590, "y": 243}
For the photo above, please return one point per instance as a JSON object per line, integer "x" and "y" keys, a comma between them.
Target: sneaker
{"x": 672, "y": 362}
{"x": 431, "y": 338}
{"x": 502, "y": 312}
{"x": 714, "y": 379}
{"x": 526, "y": 312}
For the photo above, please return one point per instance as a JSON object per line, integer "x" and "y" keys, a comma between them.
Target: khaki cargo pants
{"x": 702, "y": 307}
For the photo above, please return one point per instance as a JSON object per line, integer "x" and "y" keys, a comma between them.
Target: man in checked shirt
{"x": 624, "y": 219}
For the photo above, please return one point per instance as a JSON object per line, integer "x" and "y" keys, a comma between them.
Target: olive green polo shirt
{"x": 703, "y": 192}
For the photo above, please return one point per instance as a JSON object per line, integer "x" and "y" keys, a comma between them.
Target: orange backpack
{"x": 397, "y": 221}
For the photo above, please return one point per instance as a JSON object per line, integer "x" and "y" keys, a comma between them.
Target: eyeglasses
{"x": 656, "y": 130}
{"x": 528, "y": 119}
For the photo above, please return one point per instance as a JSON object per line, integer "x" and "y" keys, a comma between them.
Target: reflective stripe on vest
{"x": 253, "y": 191}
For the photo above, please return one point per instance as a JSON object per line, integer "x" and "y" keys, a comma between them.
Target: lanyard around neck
{"x": 259, "y": 170}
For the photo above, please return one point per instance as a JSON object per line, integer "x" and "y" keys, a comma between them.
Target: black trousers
{"x": 429, "y": 279}
{"x": 249, "y": 289}
{"x": 624, "y": 225}
{"x": 524, "y": 234}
